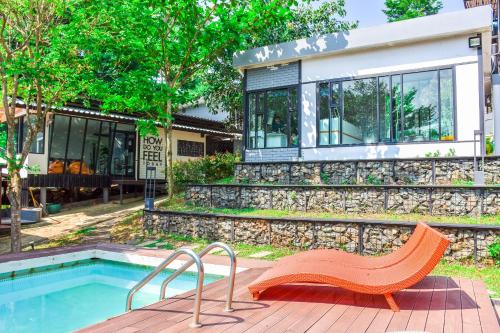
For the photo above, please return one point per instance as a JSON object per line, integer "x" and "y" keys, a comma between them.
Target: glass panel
{"x": 122, "y": 162}
{"x": 447, "y": 121}
{"x": 104, "y": 148}
{"x": 60, "y": 129}
{"x": 420, "y": 105}
{"x": 294, "y": 122}
{"x": 90, "y": 147}
{"x": 324, "y": 114}
{"x": 335, "y": 114}
{"x": 359, "y": 123}
{"x": 37, "y": 146}
{"x": 277, "y": 114}
{"x": 384, "y": 100}
{"x": 75, "y": 145}
{"x": 396, "y": 107}
{"x": 260, "y": 120}
{"x": 252, "y": 105}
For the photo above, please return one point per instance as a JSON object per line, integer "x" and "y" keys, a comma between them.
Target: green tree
{"x": 222, "y": 84}
{"x": 38, "y": 65}
{"x": 399, "y": 10}
{"x": 149, "y": 55}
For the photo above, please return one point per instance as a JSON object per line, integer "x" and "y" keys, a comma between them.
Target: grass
{"x": 178, "y": 204}
{"x": 490, "y": 275}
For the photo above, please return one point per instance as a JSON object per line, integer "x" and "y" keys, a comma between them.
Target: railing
{"x": 195, "y": 259}
{"x": 232, "y": 269}
{"x": 199, "y": 282}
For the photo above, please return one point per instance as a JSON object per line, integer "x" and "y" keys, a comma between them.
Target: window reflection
{"x": 420, "y": 106}
{"x": 404, "y": 107}
{"x": 273, "y": 119}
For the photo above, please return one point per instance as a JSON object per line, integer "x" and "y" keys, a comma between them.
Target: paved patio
{"x": 436, "y": 304}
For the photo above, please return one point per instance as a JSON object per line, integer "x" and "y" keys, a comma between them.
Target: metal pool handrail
{"x": 232, "y": 269}
{"x": 199, "y": 281}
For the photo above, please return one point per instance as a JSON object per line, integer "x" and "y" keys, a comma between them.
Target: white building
{"x": 399, "y": 90}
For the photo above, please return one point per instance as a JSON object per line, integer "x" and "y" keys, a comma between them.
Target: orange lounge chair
{"x": 371, "y": 275}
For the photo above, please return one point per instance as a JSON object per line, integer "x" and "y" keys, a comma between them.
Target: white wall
{"x": 382, "y": 151}
{"x": 391, "y": 59}
{"x": 40, "y": 161}
{"x": 449, "y": 52}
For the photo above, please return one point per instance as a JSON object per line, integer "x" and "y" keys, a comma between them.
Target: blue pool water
{"x": 65, "y": 299}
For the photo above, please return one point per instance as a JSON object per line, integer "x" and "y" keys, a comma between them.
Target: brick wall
{"x": 271, "y": 154}
{"x": 262, "y": 78}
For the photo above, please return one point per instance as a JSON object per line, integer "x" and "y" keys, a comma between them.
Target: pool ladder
{"x": 195, "y": 259}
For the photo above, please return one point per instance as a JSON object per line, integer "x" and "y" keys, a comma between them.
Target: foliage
{"x": 204, "y": 170}
{"x": 42, "y": 65}
{"x": 437, "y": 153}
{"x": 373, "y": 180}
{"x": 3, "y": 140}
{"x": 490, "y": 145}
{"x": 494, "y": 250}
{"x": 222, "y": 84}
{"x": 398, "y": 10}
{"x": 149, "y": 55}
{"x": 451, "y": 153}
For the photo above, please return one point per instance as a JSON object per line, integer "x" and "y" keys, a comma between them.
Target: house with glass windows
{"x": 80, "y": 147}
{"x": 399, "y": 90}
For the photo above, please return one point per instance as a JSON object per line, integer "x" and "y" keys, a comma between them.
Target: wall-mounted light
{"x": 475, "y": 42}
{"x": 272, "y": 68}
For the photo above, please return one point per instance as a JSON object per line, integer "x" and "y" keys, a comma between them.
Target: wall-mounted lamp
{"x": 475, "y": 42}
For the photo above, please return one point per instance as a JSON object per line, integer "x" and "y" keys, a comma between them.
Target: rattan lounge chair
{"x": 371, "y": 275}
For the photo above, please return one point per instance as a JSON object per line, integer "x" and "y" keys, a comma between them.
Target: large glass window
{"x": 398, "y": 108}
{"x": 273, "y": 118}
{"x": 87, "y": 146}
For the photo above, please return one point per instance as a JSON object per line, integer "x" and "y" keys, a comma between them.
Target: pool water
{"x": 74, "y": 296}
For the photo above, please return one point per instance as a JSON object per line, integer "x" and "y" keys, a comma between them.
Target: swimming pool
{"x": 66, "y": 297}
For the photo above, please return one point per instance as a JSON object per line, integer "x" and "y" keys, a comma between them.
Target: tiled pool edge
{"x": 125, "y": 254}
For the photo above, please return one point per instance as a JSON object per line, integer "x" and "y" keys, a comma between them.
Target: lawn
{"x": 178, "y": 204}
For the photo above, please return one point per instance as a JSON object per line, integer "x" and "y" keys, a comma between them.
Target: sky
{"x": 369, "y": 12}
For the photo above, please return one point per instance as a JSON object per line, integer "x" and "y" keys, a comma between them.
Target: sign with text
{"x": 152, "y": 154}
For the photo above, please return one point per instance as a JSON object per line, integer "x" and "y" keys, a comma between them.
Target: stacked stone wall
{"x": 432, "y": 200}
{"x": 438, "y": 171}
{"x": 467, "y": 243}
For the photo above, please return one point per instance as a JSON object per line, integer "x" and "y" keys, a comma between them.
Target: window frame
{"x": 264, "y": 92}
{"x": 392, "y": 128}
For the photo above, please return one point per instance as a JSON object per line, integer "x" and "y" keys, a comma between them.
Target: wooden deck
{"x": 436, "y": 304}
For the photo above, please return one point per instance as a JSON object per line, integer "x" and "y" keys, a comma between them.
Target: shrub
{"x": 490, "y": 145}
{"x": 204, "y": 170}
{"x": 494, "y": 250}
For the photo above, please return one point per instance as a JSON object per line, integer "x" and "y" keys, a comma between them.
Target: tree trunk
{"x": 14, "y": 194}
{"x": 169, "y": 172}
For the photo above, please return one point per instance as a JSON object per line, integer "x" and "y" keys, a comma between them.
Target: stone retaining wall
{"x": 434, "y": 200}
{"x": 365, "y": 237}
{"x": 443, "y": 171}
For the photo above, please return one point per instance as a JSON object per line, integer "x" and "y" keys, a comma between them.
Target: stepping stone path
{"x": 224, "y": 253}
{"x": 215, "y": 251}
{"x": 146, "y": 243}
{"x": 261, "y": 254}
